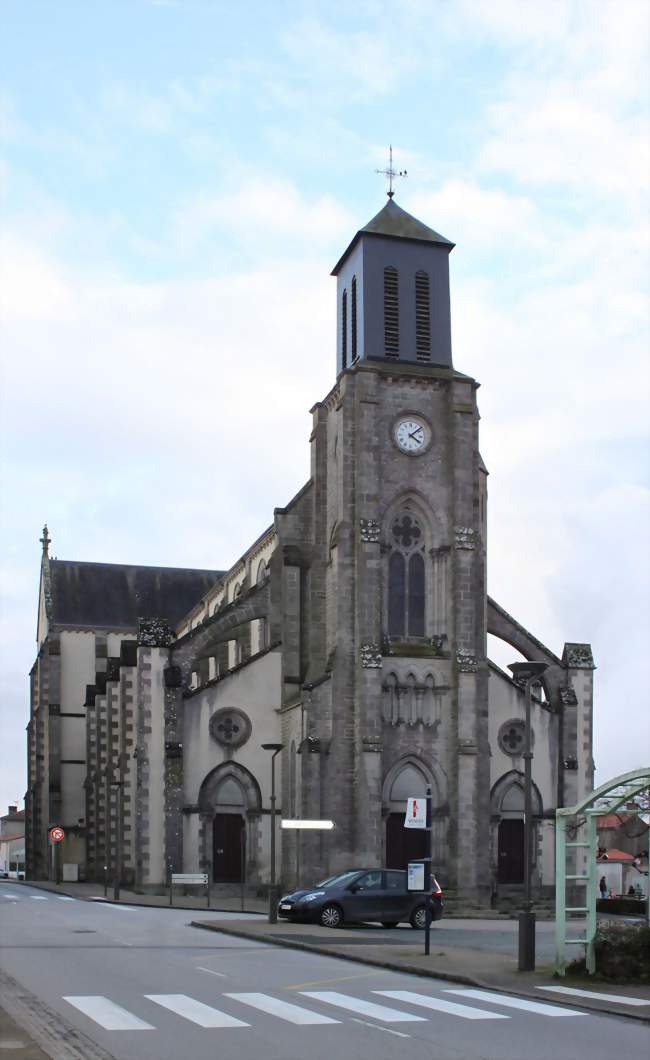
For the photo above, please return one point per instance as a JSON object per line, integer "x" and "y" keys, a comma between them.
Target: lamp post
{"x": 530, "y": 672}
{"x": 273, "y": 901}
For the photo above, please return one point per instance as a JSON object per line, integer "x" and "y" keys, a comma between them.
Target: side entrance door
{"x": 227, "y": 848}
{"x": 511, "y": 851}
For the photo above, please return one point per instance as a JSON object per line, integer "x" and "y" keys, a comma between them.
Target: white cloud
{"x": 267, "y": 211}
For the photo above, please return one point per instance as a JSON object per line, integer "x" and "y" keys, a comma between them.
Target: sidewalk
{"x": 480, "y": 968}
{"x": 489, "y": 963}
{"x": 157, "y": 901}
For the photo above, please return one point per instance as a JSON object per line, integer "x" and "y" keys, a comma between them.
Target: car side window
{"x": 395, "y": 881}
{"x": 370, "y": 882}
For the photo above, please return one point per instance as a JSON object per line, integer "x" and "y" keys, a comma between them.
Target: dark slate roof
{"x": 116, "y": 595}
{"x": 393, "y": 222}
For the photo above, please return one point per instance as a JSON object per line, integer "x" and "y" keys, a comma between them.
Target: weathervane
{"x": 391, "y": 173}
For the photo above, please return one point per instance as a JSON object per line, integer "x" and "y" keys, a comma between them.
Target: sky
{"x": 178, "y": 179}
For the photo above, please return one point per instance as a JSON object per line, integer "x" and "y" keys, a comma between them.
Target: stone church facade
{"x": 353, "y": 632}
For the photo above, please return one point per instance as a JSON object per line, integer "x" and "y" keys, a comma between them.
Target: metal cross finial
{"x": 391, "y": 173}
{"x": 46, "y": 541}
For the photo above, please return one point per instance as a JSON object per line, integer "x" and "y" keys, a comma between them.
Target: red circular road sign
{"x": 57, "y": 834}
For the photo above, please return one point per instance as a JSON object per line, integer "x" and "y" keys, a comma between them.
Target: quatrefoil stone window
{"x": 406, "y": 531}
{"x": 512, "y": 737}
{"x": 230, "y": 727}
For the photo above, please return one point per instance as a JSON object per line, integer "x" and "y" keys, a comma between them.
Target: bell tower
{"x": 393, "y": 293}
{"x": 395, "y": 670}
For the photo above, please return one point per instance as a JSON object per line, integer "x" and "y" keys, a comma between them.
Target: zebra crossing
{"x": 113, "y": 1017}
{"x": 36, "y": 897}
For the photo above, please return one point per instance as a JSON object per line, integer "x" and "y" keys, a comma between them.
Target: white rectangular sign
{"x": 416, "y": 813}
{"x": 415, "y": 877}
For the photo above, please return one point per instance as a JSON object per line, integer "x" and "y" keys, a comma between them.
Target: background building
{"x": 353, "y": 631}
{"x": 12, "y": 842}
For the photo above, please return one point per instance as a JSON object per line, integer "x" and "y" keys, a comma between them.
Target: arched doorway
{"x": 230, "y": 804}
{"x": 229, "y": 834}
{"x": 508, "y": 814}
{"x": 410, "y": 779}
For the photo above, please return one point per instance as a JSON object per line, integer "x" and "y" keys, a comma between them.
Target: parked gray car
{"x": 362, "y": 895}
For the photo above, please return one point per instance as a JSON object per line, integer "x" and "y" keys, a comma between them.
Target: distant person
{"x": 603, "y": 887}
{"x": 638, "y": 890}
{"x": 631, "y": 893}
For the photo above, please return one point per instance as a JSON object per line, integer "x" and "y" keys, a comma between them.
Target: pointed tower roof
{"x": 392, "y": 222}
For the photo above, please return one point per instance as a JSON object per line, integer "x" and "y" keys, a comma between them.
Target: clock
{"x": 412, "y": 434}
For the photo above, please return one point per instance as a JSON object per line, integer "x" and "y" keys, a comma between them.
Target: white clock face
{"x": 412, "y": 434}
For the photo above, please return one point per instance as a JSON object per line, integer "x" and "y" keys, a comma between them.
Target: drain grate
{"x": 83, "y": 931}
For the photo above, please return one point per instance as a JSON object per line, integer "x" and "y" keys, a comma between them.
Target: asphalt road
{"x": 144, "y": 985}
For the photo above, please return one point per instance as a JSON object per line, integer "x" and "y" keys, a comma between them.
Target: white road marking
{"x": 282, "y": 1009}
{"x": 222, "y": 975}
{"x": 195, "y": 1011}
{"x": 364, "y": 1008}
{"x": 107, "y": 905}
{"x": 517, "y": 1002}
{"x": 38, "y": 898}
{"x": 617, "y": 999}
{"x": 440, "y": 1005}
{"x": 64, "y": 898}
{"x": 376, "y": 1027}
{"x": 108, "y": 1015}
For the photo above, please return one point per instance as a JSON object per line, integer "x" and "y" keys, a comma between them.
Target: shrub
{"x": 622, "y": 954}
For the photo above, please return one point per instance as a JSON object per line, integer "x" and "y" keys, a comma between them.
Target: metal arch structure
{"x": 604, "y": 800}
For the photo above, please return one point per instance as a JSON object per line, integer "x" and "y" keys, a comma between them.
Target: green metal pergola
{"x": 581, "y": 820}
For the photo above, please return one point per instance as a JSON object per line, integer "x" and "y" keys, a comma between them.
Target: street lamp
{"x": 530, "y": 672}
{"x": 273, "y": 902}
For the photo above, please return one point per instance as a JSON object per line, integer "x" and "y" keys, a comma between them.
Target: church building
{"x": 352, "y": 633}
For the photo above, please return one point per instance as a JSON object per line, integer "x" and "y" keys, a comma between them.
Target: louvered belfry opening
{"x": 353, "y": 318}
{"x": 391, "y": 312}
{"x": 422, "y": 317}
{"x": 344, "y": 330}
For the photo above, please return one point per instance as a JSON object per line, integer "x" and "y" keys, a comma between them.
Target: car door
{"x": 362, "y": 900}
{"x": 396, "y": 899}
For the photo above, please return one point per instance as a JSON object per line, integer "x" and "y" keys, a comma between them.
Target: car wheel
{"x": 389, "y": 923}
{"x": 419, "y": 917}
{"x": 330, "y": 916}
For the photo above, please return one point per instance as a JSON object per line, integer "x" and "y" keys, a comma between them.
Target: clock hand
{"x": 414, "y": 433}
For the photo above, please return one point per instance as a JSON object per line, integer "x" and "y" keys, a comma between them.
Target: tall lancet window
{"x": 406, "y": 578}
{"x": 422, "y": 317}
{"x": 353, "y": 319}
{"x": 344, "y": 330}
{"x": 391, "y": 311}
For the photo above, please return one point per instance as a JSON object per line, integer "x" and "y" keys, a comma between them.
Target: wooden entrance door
{"x": 227, "y": 848}
{"x": 402, "y": 844}
{"x": 511, "y": 851}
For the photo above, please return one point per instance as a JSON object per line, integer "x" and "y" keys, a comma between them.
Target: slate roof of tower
{"x": 116, "y": 595}
{"x": 392, "y": 222}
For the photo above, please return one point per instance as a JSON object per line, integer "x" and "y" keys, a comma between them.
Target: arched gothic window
{"x": 422, "y": 317}
{"x": 406, "y": 577}
{"x": 391, "y": 311}
{"x": 344, "y": 330}
{"x": 353, "y": 319}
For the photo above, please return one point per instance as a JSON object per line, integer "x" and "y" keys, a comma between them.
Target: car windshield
{"x": 341, "y": 877}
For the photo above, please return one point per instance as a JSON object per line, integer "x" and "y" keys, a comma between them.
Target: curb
{"x": 406, "y": 969}
{"x": 326, "y": 951}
